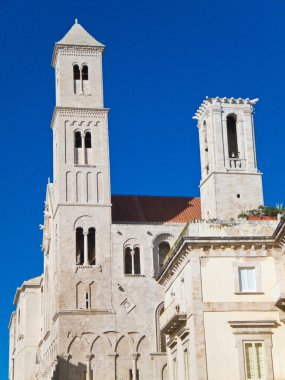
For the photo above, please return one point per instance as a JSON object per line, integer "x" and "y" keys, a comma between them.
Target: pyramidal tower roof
{"x": 77, "y": 35}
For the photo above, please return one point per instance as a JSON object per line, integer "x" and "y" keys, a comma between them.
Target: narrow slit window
{"x": 78, "y": 140}
{"x": 91, "y": 246}
{"x": 232, "y": 137}
{"x": 128, "y": 261}
{"x": 87, "y": 300}
{"x": 88, "y": 140}
{"x": 137, "y": 263}
{"x": 85, "y": 72}
{"x": 79, "y": 246}
{"x": 76, "y": 72}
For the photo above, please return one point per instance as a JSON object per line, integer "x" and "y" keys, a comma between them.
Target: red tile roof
{"x": 154, "y": 209}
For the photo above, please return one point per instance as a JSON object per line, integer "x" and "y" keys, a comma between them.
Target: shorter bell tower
{"x": 231, "y": 182}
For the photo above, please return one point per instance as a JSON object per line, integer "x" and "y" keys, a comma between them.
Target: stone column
{"x": 112, "y": 366}
{"x": 198, "y": 331}
{"x": 83, "y": 158}
{"x": 133, "y": 261}
{"x": 85, "y": 248}
{"x": 135, "y": 358}
{"x": 63, "y": 366}
{"x": 88, "y": 366}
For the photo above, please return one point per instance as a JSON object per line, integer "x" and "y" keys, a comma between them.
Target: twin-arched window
{"x": 85, "y": 246}
{"x": 80, "y": 79}
{"x": 82, "y": 148}
{"x": 132, "y": 260}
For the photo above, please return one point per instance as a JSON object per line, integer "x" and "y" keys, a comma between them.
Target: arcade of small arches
{"x": 94, "y": 356}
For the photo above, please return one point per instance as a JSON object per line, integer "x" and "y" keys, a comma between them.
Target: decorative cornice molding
{"x": 75, "y": 50}
{"x": 249, "y": 246}
{"x": 251, "y": 327}
{"x": 219, "y": 102}
{"x": 72, "y": 112}
{"x": 76, "y": 312}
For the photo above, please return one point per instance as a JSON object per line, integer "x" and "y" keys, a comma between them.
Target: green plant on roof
{"x": 264, "y": 211}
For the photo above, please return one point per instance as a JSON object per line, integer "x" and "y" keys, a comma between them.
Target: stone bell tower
{"x": 231, "y": 182}
{"x": 81, "y": 189}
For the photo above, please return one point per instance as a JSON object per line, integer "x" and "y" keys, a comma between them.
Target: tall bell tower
{"x": 80, "y": 124}
{"x": 231, "y": 182}
{"x": 80, "y": 193}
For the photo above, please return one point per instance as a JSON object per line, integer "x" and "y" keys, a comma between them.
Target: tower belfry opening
{"x": 232, "y": 136}
{"x": 231, "y": 181}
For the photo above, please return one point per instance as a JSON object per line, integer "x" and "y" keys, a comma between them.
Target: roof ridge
{"x": 140, "y": 210}
{"x": 158, "y": 196}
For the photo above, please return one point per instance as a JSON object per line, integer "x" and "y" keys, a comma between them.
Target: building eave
{"x": 277, "y": 238}
{"x": 78, "y": 112}
{"x": 27, "y": 285}
{"x": 13, "y": 316}
{"x": 59, "y": 46}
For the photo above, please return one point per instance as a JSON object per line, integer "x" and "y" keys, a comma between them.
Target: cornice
{"x": 25, "y": 286}
{"x": 80, "y": 312}
{"x": 13, "y": 316}
{"x": 252, "y": 246}
{"x": 69, "y": 112}
{"x": 226, "y": 102}
{"x": 75, "y": 50}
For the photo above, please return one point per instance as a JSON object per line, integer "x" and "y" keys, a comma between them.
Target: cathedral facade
{"x": 126, "y": 285}
{"x": 94, "y": 311}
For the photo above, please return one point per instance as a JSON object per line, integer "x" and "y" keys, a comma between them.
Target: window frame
{"x": 247, "y": 277}
{"x": 237, "y": 266}
{"x": 261, "y": 331}
{"x": 133, "y": 250}
{"x": 255, "y": 359}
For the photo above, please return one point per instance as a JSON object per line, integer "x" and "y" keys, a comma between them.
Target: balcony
{"x": 173, "y": 317}
{"x": 235, "y": 163}
{"x": 279, "y": 295}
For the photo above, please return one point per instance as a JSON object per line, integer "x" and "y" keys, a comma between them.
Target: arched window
{"x": 160, "y": 337}
{"x": 232, "y": 137}
{"x": 76, "y": 79}
{"x": 87, "y": 140}
{"x": 137, "y": 261}
{"x": 88, "y": 152}
{"x": 79, "y": 246}
{"x": 77, "y": 146}
{"x": 77, "y": 140}
{"x": 76, "y": 72}
{"x": 91, "y": 246}
{"x": 163, "y": 250}
{"x": 128, "y": 261}
{"x": 161, "y": 247}
{"x": 85, "y": 72}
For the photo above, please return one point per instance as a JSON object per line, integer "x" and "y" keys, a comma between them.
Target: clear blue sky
{"x": 162, "y": 59}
